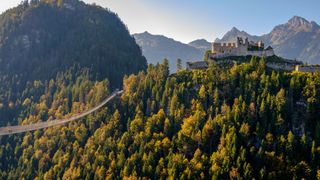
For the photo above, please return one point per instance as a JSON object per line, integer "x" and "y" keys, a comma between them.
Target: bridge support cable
{"x": 9, "y": 130}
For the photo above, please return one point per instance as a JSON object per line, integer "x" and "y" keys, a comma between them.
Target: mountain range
{"x": 296, "y": 39}
{"x": 157, "y": 47}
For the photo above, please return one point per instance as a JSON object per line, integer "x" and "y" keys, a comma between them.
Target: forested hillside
{"x": 40, "y": 39}
{"x": 59, "y": 58}
{"x": 245, "y": 121}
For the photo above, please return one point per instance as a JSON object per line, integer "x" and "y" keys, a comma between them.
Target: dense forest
{"x": 40, "y": 39}
{"x": 244, "y": 121}
{"x": 62, "y": 57}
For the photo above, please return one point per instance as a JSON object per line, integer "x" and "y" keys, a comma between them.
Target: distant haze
{"x": 209, "y": 19}
{"x": 298, "y": 38}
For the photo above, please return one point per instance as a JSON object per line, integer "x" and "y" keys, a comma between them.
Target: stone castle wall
{"x": 241, "y": 48}
{"x": 243, "y": 52}
{"x": 223, "y": 47}
{"x": 307, "y": 68}
{"x": 278, "y": 66}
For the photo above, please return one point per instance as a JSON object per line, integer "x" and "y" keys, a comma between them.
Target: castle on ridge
{"x": 223, "y": 52}
{"x": 240, "y": 48}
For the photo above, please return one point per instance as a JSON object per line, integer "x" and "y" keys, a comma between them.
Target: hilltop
{"x": 47, "y": 43}
{"x": 41, "y": 38}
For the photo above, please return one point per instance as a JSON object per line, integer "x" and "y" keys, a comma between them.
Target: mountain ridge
{"x": 296, "y": 39}
{"x": 201, "y": 44}
{"x": 158, "y": 47}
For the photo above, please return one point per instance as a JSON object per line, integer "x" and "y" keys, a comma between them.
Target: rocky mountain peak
{"x": 231, "y": 36}
{"x": 297, "y": 20}
{"x": 146, "y": 33}
{"x": 234, "y": 29}
{"x": 300, "y": 24}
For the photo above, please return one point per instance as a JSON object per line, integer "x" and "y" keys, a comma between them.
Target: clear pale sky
{"x": 187, "y": 20}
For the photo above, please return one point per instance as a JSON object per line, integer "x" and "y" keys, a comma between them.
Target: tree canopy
{"x": 240, "y": 122}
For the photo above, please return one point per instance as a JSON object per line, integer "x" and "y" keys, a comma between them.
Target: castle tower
{"x": 216, "y": 47}
{"x": 246, "y": 42}
{"x": 239, "y": 41}
{"x": 212, "y": 47}
{"x": 260, "y": 44}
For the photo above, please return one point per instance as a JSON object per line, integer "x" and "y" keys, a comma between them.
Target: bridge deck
{"x": 42, "y": 125}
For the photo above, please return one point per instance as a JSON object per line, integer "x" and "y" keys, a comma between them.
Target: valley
{"x": 83, "y": 98}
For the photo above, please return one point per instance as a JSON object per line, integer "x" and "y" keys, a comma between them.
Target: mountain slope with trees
{"x": 245, "y": 121}
{"x": 242, "y": 121}
{"x": 40, "y": 40}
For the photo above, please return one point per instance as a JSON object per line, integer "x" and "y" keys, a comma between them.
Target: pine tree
{"x": 179, "y": 64}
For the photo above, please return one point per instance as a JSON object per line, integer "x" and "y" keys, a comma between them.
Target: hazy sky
{"x": 187, "y": 20}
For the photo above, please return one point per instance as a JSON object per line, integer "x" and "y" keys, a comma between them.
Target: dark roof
{"x": 197, "y": 65}
{"x": 295, "y": 62}
{"x": 269, "y": 48}
{"x": 312, "y": 65}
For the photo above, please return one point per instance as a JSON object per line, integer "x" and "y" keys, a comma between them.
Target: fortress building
{"x": 226, "y": 53}
{"x": 240, "y": 48}
{"x": 308, "y": 68}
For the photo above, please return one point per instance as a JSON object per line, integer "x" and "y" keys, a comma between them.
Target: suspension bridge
{"x": 9, "y": 130}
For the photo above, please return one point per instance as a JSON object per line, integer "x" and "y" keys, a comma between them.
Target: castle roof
{"x": 269, "y": 48}
{"x": 197, "y": 65}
